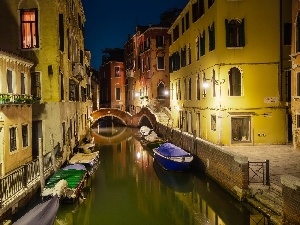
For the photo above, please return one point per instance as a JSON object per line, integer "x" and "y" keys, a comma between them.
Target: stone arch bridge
{"x": 127, "y": 119}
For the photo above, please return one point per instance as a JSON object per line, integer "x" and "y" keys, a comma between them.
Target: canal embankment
{"x": 278, "y": 197}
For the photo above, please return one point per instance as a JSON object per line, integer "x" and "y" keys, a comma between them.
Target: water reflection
{"x": 130, "y": 188}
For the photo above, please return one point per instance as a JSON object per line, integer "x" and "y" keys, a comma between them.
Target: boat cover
{"x": 73, "y": 178}
{"x": 76, "y": 166}
{"x": 42, "y": 214}
{"x": 89, "y": 158}
{"x": 170, "y": 150}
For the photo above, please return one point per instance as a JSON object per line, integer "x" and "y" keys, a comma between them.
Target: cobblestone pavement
{"x": 284, "y": 159}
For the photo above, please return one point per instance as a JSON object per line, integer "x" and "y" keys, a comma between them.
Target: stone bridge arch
{"x": 126, "y": 118}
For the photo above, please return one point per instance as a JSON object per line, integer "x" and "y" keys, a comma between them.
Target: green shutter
{"x": 242, "y": 33}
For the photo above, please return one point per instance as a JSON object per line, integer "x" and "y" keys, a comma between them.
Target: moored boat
{"x": 172, "y": 157}
{"x": 66, "y": 183}
{"x": 43, "y": 213}
{"x": 89, "y": 160}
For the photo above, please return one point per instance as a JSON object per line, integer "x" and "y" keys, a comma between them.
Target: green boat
{"x": 66, "y": 184}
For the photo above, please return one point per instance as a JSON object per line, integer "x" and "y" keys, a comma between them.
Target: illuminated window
{"x": 29, "y": 28}
{"x": 213, "y": 122}
{"x": 235, "y": 82}
{"x": 235, "y": 34}
{"x": 25, "y": 135}
{"x": 240, "y": 129}
{"x": 117, "y": 71}
{"x": 13, "y": 138}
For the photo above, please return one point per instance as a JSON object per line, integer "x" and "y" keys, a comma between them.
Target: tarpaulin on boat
{"x": 170, "y": 150}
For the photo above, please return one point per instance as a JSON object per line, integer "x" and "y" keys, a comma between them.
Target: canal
{"x": 130, "y": 188}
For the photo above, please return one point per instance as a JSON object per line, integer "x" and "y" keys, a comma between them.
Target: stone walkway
{"x": 284, "y": 159}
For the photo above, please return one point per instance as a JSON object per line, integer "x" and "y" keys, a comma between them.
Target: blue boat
{"x": 172, "y": 157}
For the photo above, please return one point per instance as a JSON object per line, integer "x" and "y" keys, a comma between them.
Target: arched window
{"x": 161, "y": 91}
{"x": 235, "y": 82}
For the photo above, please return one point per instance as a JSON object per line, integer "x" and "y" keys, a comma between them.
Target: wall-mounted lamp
{"x": 136, "y": 94}
{"x": 166, "y": 92}
{"x": 216, "y": 82}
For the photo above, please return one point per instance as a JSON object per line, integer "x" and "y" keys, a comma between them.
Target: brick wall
{"x": 227, "y": 169}
{"x": 291, "y": 199}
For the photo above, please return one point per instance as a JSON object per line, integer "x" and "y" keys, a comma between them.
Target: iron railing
{"x": 19, "y": 179}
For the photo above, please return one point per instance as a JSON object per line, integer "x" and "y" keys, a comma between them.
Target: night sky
{"x": 108, "y": 23}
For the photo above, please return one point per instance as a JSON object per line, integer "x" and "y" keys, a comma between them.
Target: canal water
{"x": 130, "y": 188}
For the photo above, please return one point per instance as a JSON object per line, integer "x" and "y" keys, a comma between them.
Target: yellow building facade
{"x": 15, "y": 112}
{"x": 50, "y": 33}
{"x": 229, "y": 71}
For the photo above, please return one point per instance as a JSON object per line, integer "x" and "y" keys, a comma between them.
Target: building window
{"x": 287, "y": 36}
{"x": 160, "y": 41}
{"x": 298, "y": 84}
{"x": 189, "y": 54}
{"x": 23, "y": 86}
{"x": 183, "y": 57}
{"x": 211, "y": 36}
{"x": 204, "y": 89}
{"x": 240, "y": 129}
{"x": 29, "y": 28}
{"x": 63, "y": 133}
{"x": 161, "y": 91}
{"x": 13, "y": 139}
{"x": 214, "y": 83}
{"x": 25, "y": 135}
{"x": 72, "y": 90}
{"x": 190, "y": 89}
{"x": 36, "y": 85}
{"x": 176, "y": 33}
{"x": 179, "y": 91}
{"x": 213, "y": 122}
{"x": 160, "y": 63}
{"x": 298, "y": 120}
{"x": 9, "y": 79}
{"x": 210, "y": 3}
{"x": 182, "y": 25}
{"x": 187, "y": 20}
{"x": 235, "y": 82}
{"x": 117, "y": 71}
{"x": 118, "y": 94}
{"x": 61, "y": 31}
{"x": 198, "y": 87}
{"x": 197, "y": 48}
{"x": 62, "y": 89}
{"x": 297, "y": 31}
{"x": 185, "y": 89}
{"x": 202, "y": 44}
{"x": 235, "y": 34}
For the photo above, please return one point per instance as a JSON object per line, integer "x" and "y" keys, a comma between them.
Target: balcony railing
{"x": 16, "y": 99}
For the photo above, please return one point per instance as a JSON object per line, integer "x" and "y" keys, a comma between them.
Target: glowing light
{"x": 138, "y": 155}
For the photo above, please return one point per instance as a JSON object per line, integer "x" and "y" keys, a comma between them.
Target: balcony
{"x": 6, "y": 99}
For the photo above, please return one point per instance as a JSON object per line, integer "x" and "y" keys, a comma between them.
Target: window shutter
{"x": 227, "y": 33}
{"x": 242, "y": 33}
